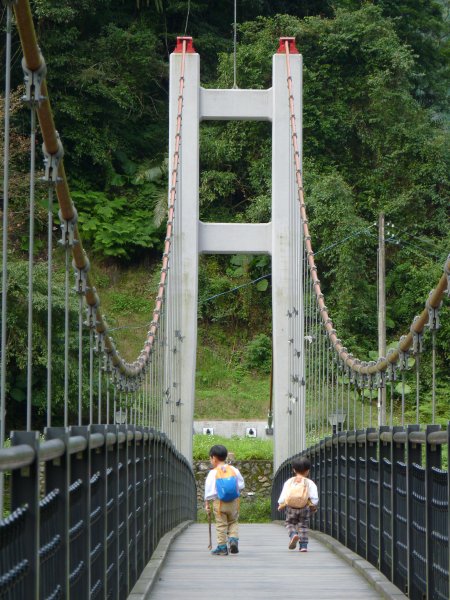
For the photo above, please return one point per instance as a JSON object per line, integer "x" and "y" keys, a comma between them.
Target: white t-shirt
{"x": 313, "y": 493}
{"x": 210, "y": 483}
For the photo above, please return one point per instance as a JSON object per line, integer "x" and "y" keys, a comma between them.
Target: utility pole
{"x": 381, "y": 314}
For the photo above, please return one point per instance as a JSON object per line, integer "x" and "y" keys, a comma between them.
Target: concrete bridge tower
{"x": 281, "y": 238}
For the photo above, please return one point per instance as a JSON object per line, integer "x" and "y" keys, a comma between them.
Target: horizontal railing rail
{"x": 385, "y": 495}
{"x": 88, "y": 507}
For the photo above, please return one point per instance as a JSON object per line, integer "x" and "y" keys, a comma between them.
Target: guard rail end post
{"x": 25, "y": 491}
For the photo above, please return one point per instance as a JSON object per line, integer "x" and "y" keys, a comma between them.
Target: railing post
{"x": 140, "y": 502}
{"x": 334, "y": 487}
{"x": 351, "y": 494}
{"x": 323, "y": 488}
{"x": 433, "y": 458}
{"x": 57, "y": 477}
{"x": 399, "y": 512}
{"x": 112, "y": 517}
{"x": 372, "y": 510}
{"x": 99, "y": 488}
{"x": 80, "y": 518}
{"x": 131, "y": 510}
{"x": 25, "y": 491}
{"x": 122, "y": 531}
{"x": 361, "y": 494}
{"x": 385, "y": 538}
{"x": 414, "y": 456}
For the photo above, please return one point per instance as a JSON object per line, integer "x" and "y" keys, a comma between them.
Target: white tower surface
{"x": 281, "y": 238}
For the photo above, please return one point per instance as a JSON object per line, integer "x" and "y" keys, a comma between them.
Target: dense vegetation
{"x": 375, "y": 139}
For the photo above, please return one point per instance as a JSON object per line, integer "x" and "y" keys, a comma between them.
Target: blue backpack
{"x": 226, "y": 483}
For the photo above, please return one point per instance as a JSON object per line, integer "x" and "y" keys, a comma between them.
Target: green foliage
{"x": 17, "y": 355}
{"x": 258, "y": 353}
{"x": 242, "y": 448}
{"x": 111, "y": 227}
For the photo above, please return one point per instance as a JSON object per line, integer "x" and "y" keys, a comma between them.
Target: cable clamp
{"x": 33, "y": 82}
{"x": 417, "y": 338}
{"x": 91, "y": 312}
{"x": 295, "y": 379}
{"x": 403, "y": 356}
{"x": 433, "y": 314}
{"x": 391, "y": 371}
{"x": 100, "y": 342}
{"x": 447, "y": 272}
{"x": 81, "y": 286}
{"x": 297, "y": 353}
{"x": 107, "y": 362}
{"x": 179, "y": 336}
{"x": 51, "y": 163}
{"x": 68, "y": 229}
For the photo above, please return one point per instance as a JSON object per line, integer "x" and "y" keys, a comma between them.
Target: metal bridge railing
{"x": 88, "y": 507}
{"x": 385, "y": 495}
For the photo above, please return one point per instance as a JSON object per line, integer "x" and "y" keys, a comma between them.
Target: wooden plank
{"x": 264, "y": 569}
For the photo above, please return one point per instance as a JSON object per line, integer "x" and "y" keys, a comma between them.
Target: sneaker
{"x": 221, "y": 550}
{"x": 293, "y": 541}
{"x": 234, "y": 545}
{"x": 303, "y": 547}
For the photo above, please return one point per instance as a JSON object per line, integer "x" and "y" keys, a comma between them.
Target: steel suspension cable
{"x": 31, "y": 262}
{"x": 49, "y": 303}
{"x": 5, "y": 223}
{"x": 418, "y": 324}
{"x": 35, "y": 65}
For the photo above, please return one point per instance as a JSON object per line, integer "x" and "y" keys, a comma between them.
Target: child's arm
{"x": 281, "y": 502}
{"x": 240, "y": 479}
{"x": 210, "y": 489}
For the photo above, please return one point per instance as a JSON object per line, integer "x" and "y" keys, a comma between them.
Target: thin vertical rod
{"x": 66, "y": 337}
{"x": 80, "y": 359}
{"x": 30, "y": 266}
{"x": 234, "y": 48}
{"x": 5, "y": 237}
{"x": 433, "y": 375}
{"x": 50, "y": 303}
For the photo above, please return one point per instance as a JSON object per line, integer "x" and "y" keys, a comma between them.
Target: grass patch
{"x": 224, "y": 388}
{"x": 242, "y": 448}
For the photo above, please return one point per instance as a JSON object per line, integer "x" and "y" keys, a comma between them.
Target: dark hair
{"x": 219, "y": 452}
{"x": 301, "y": 465}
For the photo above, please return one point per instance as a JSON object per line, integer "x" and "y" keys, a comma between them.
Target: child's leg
{"x": 221, "y": 523}
{"x": 291, "y": 521}
{"x": 233, "y": 516}
{"x": 303, "y": 526}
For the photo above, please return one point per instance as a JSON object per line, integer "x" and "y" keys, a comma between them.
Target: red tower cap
{"x": 291, "y": 45}
{"x": 189, "y": 44}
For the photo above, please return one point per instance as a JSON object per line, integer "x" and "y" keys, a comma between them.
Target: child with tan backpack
{"x": 299, "y": 497}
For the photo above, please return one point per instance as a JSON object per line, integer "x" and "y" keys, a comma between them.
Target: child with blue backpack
{"x": 222, "y": 486}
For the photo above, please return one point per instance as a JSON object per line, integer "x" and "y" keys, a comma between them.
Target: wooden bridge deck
{"x": 264, "y": 569}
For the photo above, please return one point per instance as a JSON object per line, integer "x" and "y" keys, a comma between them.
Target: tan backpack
{"x": 297, "y": 495}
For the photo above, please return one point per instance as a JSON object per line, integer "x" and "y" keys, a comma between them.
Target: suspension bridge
{"x": 87, "y": 502}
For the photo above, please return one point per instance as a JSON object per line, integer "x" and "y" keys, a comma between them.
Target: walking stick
{"x": 209, "y": 529}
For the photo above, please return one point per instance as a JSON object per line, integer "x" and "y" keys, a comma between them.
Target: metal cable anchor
{"x": 33, "y": 81}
